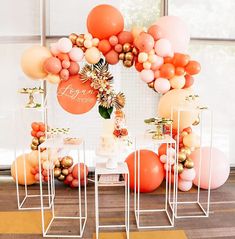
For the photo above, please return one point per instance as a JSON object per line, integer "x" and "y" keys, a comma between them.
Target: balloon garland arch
{"x": 157, "y": 53}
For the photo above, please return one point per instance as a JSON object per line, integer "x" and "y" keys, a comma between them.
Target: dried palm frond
{"x": 119, "y": 101}
{"x": 106, "y": 100}
{"x": 102, "y": 70}
{"x": 87, "y": 73}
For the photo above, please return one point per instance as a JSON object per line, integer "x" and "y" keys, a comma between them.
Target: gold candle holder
{"x": 31, "y": 100}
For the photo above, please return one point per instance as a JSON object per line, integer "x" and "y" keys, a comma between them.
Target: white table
{"x": 78, "y": 152}
{"x": 102, "y": 170}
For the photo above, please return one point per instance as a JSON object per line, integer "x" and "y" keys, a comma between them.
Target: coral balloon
{"x": 184, "y": 185}
{"x": 162, "y": 85}
{"x": 220, "y": 167}
{"x": 104, "y": 21}
{"x": 168, "y": 59}
{"x": 73, "y": 68}
{"x": 176, "y": 98}
{"x": 63, "y": 57}
{"x": 179, "y": 71}
{"x": 177, "y": 82}
{"x": 191, "y": 140}
{"x": 82, "y": 168}
{"x": 163, "y": 48}
{"x": 104, "y": 46}
{"x": 64, "y": 74}
{"x": 144, "y": 42}
{"x": 52, "y": 65}
{"x": 53, "y": 79}
{"x": 118, "y": 48}
{"x": 76, "y": 54}
{"x": 189, "y": 80}
{"x": 64, "y": 45}
{"x": 151, "y": 170}
{"x": 167, "y": 70}
{"x": 139, "y": 66}
{"x": 30, "y": 179}
{"x": 180, "y": 59}
{"x": 175, "y": 30}
{"x": 193, "y": 68}
{"x": 65, "y": 64}
{"x": 92, "y": 55}
{"x": 112, "y": 57}
{"x": 147, "y": 75}
{"x": 156, "y": 32}
{"x": 125, "y": 37}
{"x": 32, "y": 61}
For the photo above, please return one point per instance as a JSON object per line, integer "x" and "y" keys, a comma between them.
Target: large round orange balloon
{"x": 151, "y": 170}
{"x": 174, "y": 99}
{"x": 104, "y": 21}
{"x": 75, "y": 96}
{"x": 20, "y": 170}
{"x": 32, "y": 61}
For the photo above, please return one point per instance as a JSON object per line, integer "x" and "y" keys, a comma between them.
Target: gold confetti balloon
{"x": 35, "y": 141}
{"x": 121, "y": 56}
{"x": 127, "y": 63}
{"x": 42, "y": 139}
{"x": 126, "y": 47}
{"x": 129, "y": 56}
{"x": 57, "y": 172}
{"x": 61, "y": 177}
{"x": 73, "y": 37}
{"x": 34, "y": 147}
{"x": 65, "y": 171}
{"x": 66, "y": 162}
{"x": 188, "y": 163}
{"x": 151, "y": 85}
{"x": 182, "y": 157}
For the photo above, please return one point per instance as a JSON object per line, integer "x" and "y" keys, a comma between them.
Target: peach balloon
{"x": 188, "y": 174}
{"x": 88, "y": 43}
{"x": 20, "y": 170}
{"x": 53, "y": 79}
{"x": 163, "y": 48}
{"x": 92, "y": 55}
{"x": 32, "y": 61}
{"x": 184, "y": 185}
{"x": 64, "y": 74}
{"x": 191, "y": 140}
{"x": 220, "y": 167}
{"x": 177, "y": 82}
{"x": 147, "y": 65}
{"x": 142, "y": 57}
{"x": 177, "y": 98}
{"x": 136, "y": 31}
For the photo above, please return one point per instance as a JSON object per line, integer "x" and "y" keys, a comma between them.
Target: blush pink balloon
{"x": 156, "y": 32}
{"x": 76, "y": 54}
{"x": 188, "y": 174}
{"x": 184, "y": 185}
{"x": 54, "y": 49}
{"x": 65, "y": 64}
{"x": 175, "y": 30}
{"x": 157, "y": 63}
{"x": 64, "y": 74}
{"x": 220, "y": 167}
{"x": 113, "y": 40}
{"x": 52, "y": 65}
{"x": 144, "y": 42}
{"x": 147, "y": 75}
{"x": 162, "y": 85}
{"x": 163, "y": 48}
{"x": 74, "y": 68}
{"x": 64, "y": 45}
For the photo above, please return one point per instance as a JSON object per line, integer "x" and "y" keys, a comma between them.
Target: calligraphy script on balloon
{"x": 74, "y": 94}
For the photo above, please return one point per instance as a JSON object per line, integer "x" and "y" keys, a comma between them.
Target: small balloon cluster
{"x": 188, "y": 142}
{"x": 63, "y": 166}
{"x": 38, "y": 133}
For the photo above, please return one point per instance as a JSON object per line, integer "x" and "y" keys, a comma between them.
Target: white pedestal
{"x": 25, "y": 196}
{"x": 81, "y": 218}
{"x": 200, "y": 204}
{"x": 122, "y": 169}
{"x": 147, "y": 142}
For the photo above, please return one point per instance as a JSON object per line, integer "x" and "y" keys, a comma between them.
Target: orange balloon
{"x": 168, "y": 59}
{"x": 32, "y": 61}
{"x": 151, "y": 170}
{"x": 30, "y": 179}
{"x": 193, "y": 68}
{"x": 162, "y": 149}
{"x": 104, "y": 46}
{"x": 167, "y": 70}
{"x": 189, "y": 80}
{"x": 179, "y": 71}
{"x": 76, "y": 97}
{"x": 138, "y": 66}
{"x": 104, "y": 21}
{"x": 174, "y": 99}
{"x": 180, "y": 59}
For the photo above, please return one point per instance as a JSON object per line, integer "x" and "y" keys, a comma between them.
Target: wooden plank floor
{"x": 220, "y": 224}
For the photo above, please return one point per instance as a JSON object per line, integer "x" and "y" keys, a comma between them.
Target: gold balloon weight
{"x": 160, "y": 125}
{"x": 31, "y": 92}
